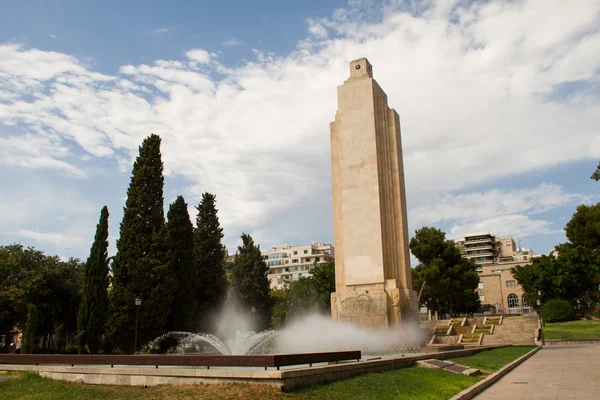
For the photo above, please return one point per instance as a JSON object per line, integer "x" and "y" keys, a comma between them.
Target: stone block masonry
{"x": 372, "y": 257}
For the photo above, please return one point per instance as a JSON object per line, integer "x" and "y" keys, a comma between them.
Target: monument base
{"x": 375, "y": 308}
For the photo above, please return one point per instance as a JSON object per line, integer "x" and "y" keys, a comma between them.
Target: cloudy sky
{"x": 499, "y": 103}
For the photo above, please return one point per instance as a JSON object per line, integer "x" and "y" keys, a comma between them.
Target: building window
{"x": 510, "y": 283}
{"x": 295, "y": 253}
{"x": 317, "y": 259}
{"x": 508, "y": 244}
{"x": 524, "y": 257}
{"x": 480, "y": 286}
{"x": 482, "y": 298}
{"x": 305, "y": 251}
{"x": 294, "y": 261}
{"x": 513, "y": 303}
{"x": 524, "y": 300}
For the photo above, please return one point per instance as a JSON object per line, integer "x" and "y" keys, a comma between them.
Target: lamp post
{"x": 539, "y": 303}
{"x": 138, "y": 301}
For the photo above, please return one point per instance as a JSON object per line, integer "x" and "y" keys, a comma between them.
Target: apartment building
{"x": 496, "y": 256}
{"x": 289, "y": 263}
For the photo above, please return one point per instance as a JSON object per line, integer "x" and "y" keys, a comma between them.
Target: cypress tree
{"x": 32, "y": 326}
{"x": 250, "y": 282}
{"x": 140, "y": 268}
{"x": 180, "y": 241}
{"x": 94, "y": 301}
{"x": 209, "y": 259}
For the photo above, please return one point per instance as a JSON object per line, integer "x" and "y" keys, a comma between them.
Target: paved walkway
{"x": 555, "y": 372}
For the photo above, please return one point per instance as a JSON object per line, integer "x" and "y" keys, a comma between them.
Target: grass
{"x": 573, "y": 330}
{"x": 493, "y": 360}
{"x": 33, "y": 387}
{"x": 407, "y": 384}
{"x": 412, "y": 383}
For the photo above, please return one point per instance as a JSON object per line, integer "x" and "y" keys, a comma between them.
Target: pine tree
{"x": 140, "y": 268}
{"x": 209, "y": 260}
{"x": 250, "y": 282}
{"x": 180, "y": 241}
{"x": 30, "y": 336}
{"x": 94, "y": 301}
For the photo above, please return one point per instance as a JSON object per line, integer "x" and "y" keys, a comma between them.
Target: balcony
{"x": 482, "y": 240}
{"x": 479, "y": 247}
{"x": 479, "y": 254}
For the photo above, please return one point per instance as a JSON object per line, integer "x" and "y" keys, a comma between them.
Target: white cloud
{"x": 504, "y": 212}
{"x": 159, "y": 31}
{"x": 57, "y": 239}
{"x": 493, "y": 203}
{"x": 35, "y": 151}
{"x": 53, "y": 36}
{"x": 200, "y": 55}
{"x": 231, "y": 43}
{"x": 472, "y": 97}
{"x": 516, "y": 225}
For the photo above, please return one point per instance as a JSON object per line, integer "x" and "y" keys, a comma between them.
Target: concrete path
{"x": 561, "y": 372}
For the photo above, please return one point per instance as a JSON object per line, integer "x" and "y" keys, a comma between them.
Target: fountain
{"x": 243, "y": 343}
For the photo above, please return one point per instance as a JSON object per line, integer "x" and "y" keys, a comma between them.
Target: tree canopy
{"x": 209, "y": 260}
{"x": 596, "y": 175}
{"x": 250, "y": 283}
{"x": 180, "y": 244}
{"x": 141, "y": 267}
{"x": 573, "y": 276}
{"x": 54, "y": 286}
{"x": 308, "y": 293}
{"x": 94, "y": 302}
{"x": 449, "y": 279}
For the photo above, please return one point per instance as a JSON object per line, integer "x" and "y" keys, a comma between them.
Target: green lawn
{"x": 493, "y": 360}
{"x": 573, "y": 330}
{"x": 407, "y": 383}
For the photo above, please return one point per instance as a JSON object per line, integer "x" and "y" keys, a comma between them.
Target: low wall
{"x": 285, "y": 379}
{"x": 567, "y": 342}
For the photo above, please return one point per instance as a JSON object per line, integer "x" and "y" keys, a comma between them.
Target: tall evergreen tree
{"x": 250, "y": 282}
{"x": 31, "y": 334}
{"x": 180, "y": 241}
{"x": 94, "y": 301}
{"x": 140, "y": 268}
{"x": 209, "y": 260}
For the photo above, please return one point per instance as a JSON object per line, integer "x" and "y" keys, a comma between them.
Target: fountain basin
{"x": 255, "y": 360}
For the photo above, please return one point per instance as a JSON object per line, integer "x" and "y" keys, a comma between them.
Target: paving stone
{"x": 552, "y": 373}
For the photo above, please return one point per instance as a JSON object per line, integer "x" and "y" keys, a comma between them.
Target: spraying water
{"x": 235, "y": 334}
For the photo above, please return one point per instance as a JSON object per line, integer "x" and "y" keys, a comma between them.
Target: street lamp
{"x": 539, "y": 304}
{"x": 138, "y": 301}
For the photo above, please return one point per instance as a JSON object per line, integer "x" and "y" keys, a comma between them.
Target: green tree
{"x": 31, "y": 331}
{"x": 53, "y": 285}
{"x": 250, "y": 282}
{"x": 450, "y": 279}
{"x": 584, "y": 227}
{"x": 140, "y": 267}
{"x": 209, "y": 260}
{"x": 310, "y": 293}
{"x": 180, "y": 241}
{"x": 91, "y": 317}
{"x": 573, "y": 276}
{"x": 596, "y": 175}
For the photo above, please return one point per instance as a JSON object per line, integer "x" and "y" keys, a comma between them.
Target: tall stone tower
{"x": 372, "y": 260}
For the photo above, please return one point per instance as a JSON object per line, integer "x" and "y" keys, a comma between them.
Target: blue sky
{"x": 499, "y": 105}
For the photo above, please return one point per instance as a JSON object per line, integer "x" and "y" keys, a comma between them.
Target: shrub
{"x": 558, "y": 310}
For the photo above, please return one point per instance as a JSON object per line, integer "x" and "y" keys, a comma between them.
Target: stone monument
{"x": 372, "y": 261}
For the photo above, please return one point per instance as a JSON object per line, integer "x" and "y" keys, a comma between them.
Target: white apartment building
{"x": 289, "y": 263}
